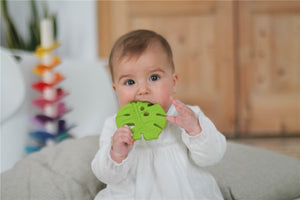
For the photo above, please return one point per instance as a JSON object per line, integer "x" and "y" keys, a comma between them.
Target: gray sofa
{"x": 64, "y": 172}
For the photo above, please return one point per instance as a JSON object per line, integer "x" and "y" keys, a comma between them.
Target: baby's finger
{"x": 128, "y": 141}
{"x": 122, "y": 131}
{"x": 124, "y": 128}
{"x": 128, "y": 132}
{"x": 172, "y": 100}
{"x": 180, "y": 105}
{"x": 126, "y": 138}
{"x": 176, "y": 102}
{"x": 171, "y": 119}
{"x": 179, "y": 108}
{"x": 182, "y": 108}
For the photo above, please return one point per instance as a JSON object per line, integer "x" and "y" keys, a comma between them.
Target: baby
{"x": 171, "y": 167}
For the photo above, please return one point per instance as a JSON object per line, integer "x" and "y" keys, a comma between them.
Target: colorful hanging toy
{"x": 52, "y": 128}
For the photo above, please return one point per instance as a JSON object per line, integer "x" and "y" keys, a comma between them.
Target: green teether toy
{"x": 145, "y": 118}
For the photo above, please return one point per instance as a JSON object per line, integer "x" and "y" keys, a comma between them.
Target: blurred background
{"x": 238, "y": 60}
{"x": 76, "y": 24}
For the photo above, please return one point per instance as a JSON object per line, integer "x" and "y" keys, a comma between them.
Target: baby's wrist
{"x": 195, "y": 131}
{"x": 117, "y": 157}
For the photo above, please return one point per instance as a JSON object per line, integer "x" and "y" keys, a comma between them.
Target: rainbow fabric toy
{"x": 144, "y": 118}
{"x": 52, "y": 128}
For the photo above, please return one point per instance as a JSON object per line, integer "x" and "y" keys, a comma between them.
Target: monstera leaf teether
{"x": 145, "y": 118}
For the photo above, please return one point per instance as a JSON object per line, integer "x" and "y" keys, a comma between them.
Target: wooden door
{"x": 269, "y": 67}
{"x": 202, "y": 39}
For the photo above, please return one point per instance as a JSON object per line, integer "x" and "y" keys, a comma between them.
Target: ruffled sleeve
{"x": 208, "y": 147}
{"x": 104, "y": 168}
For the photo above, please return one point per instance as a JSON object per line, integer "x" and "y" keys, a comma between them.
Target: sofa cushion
{"x": 64, "y": 172}
{"x": 54, "y": 173}
{"x": 248, "y": 172}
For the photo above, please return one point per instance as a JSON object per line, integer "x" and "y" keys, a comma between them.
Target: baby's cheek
{"x": 124, "y": 102}
{"x": 166, "y": 103}
{"x": 124, "y": 97}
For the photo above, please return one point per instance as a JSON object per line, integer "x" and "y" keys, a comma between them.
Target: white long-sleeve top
{"x": 167, "y": 168}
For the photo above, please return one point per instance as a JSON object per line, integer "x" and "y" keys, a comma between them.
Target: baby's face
{"x": 146, "y": 78}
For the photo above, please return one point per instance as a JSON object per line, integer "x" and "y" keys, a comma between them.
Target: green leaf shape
{"x": 146, "y": 118}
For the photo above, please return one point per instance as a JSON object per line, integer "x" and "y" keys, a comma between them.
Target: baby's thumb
{"x": 171, "y": 119}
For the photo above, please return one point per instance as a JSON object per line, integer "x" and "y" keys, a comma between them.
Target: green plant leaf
{"x": 144, "y": 118}
{"x": 54, "y": 16}
{"x": 14, "y": 39}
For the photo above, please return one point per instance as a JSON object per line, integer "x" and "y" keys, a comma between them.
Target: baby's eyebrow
{"x": 124, "y": 76}
{"x": 157, "y": 70}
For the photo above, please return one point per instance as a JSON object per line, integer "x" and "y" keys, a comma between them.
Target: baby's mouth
{"x": 144, "y": 101}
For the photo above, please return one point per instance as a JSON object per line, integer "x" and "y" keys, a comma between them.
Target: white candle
{"x": 47, "y": 59}
{"x": 50, "y": 110}
{"x": 49, "y": 93}
{"x": 48, "y": 76}
{"x": 47, "y": 39}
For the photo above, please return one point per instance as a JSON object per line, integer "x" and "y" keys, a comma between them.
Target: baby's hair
{"x": 135, "y": 43}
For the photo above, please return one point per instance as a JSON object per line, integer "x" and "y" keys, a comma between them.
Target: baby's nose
{"x": 143, "y": 89}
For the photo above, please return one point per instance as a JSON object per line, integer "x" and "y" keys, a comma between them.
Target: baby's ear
{"x": 175, "y": 79}
{"x": 114, "y": 86}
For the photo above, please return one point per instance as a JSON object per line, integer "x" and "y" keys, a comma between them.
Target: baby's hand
{"x": 122, "y": 143}
{"x": 186, "y": 118}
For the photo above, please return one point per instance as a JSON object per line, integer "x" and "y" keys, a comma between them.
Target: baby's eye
{"x": 129, "y": 82}
{"x": 154, "y": 77}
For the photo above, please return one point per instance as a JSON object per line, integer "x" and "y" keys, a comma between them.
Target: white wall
{"x": 76, "y": 21}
